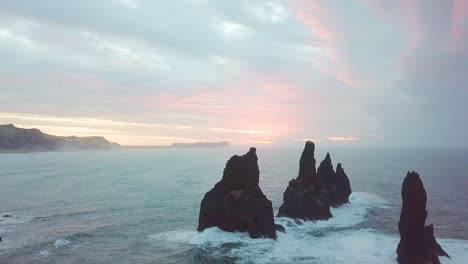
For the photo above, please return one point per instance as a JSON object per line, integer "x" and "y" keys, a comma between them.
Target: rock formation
{"x": 336, "y": 183}
{"x": 342, "y": 189}
{"x": 311, "y": 194}
{"x": 417, "y": 244}
{"x": 236, "y": 203}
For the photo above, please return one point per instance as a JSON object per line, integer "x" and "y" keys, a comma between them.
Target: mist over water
{"x": 141, "y": 206}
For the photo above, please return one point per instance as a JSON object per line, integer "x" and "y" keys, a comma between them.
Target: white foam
{"x": 369, "y": 199}
{"x": 349, "y": 246}
{"x": 14, "y": 219}
{"x": 216, "y": 236}
{"x": 345, "y": 216}
{"x": 61, "y": 242}
{"x": 44, "y": 253}
{"x": 173, "y": 236}
{"x": 332, "y": 241}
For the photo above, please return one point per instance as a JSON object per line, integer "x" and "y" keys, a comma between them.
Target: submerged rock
{"x": 236, "y": 203}
{"x": 417, "y": 244}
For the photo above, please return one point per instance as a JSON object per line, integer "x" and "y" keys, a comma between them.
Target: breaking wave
{"x": 333, "y": 241}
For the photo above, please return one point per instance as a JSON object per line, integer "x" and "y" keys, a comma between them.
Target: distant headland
{"x": 221, "y": 144}
{"x": 15, "y": 139}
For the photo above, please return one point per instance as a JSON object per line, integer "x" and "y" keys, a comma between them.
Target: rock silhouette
{"x": 15, "y": 139}
{"x": 236, "y": 203}
{"x": 417, "y": 244}
{"x": 310, "y": 195}
{"x": 336, "y": 183}
{"x": 342, "y": 189}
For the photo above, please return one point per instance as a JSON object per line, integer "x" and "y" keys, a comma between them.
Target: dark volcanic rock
{"x": 305, "y": 198}
{"x": 325, "y": 173}
{"x": 310, "y": 195}
{"x": 341, "y": 190}
{"x": 337, "y": 184}
{"x": 306, "y": 202}
{"x": 307, "y": 173}
{"x": 417, "y": 244}
{"x": 237, "y": 203}
{"x": 280, "y": 228}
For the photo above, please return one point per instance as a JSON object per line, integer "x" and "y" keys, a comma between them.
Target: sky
{"x": 151, "y": 72}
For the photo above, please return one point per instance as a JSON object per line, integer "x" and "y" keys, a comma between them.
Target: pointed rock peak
{"x": 413, "y": 176}
{"x": 413, "y": 186}
{"x": 242, "y": 171}
{"x": 307, "y": 164}
{"x": 327, "y": 161}
{"x": 308, "y": 152}
{"x": 310, "y": 144}
{"x": 252, "y": 153}
{"x": 236, "y": 203}
{"x": 339, "y": 168}
{"x": 417, "y": 243}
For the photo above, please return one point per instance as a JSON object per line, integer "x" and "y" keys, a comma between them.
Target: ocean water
{"x": 141, "y": 206}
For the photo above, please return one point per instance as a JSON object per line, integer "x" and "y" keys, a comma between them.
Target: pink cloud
{"x": 319, "y": 29}
{"x": 459, "y": 15}
{"x": 341, "y": 76}
{"x": 342, "y": 138}
{"x": 326, "y": 34}
{"x": 264, "y": 105}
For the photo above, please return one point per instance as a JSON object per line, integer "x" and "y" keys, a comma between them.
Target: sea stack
{"x": 336, "y": 183}
{"x": 341, "y": 191}
{"x": 310, "y": 195}
{"x": 304, "y": 197}
{"x": 417, "y": 244}
{"x": 236, "y": 203}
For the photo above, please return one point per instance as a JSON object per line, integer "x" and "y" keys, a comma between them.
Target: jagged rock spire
{"x": 236, "y": 203}
{"x": 342, "y": 190}
{"x": 242, "y": 171}
{"x": 307, "y": 173}
{"x": 417, "y": 244}
{"x": 325, "y": 172}
{"x": 304, "y": 198}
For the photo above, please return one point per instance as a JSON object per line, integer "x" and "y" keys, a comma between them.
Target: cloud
{"x": 253, "y": 70}
{"x": 342, "y": 138}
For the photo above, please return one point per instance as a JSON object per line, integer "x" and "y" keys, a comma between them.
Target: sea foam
{"x": 332, "y": 241}
{"x": 61, "y": 242}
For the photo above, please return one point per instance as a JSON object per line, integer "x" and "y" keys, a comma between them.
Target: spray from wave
{"x": 333, "y": 241}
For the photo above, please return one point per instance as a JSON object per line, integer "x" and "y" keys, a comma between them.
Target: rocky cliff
{"x": 417, "y": 242}
{"x": 19, "y": 139}
{"x": 236, "y": 203}
{"x": 310, "y": 195}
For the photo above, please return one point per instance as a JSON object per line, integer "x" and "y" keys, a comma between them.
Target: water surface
{"x": 141, "y": 206}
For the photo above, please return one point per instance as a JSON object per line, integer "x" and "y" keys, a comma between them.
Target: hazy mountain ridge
{"x": 201, "y": 145}
{"x": 221, "y": 144}
{"x": 14, "y": 139}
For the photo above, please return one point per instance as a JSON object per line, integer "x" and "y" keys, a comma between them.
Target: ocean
{"x": 142, "y": 205}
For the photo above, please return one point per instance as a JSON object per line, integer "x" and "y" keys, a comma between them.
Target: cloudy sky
{"x": 147, "y": 72}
